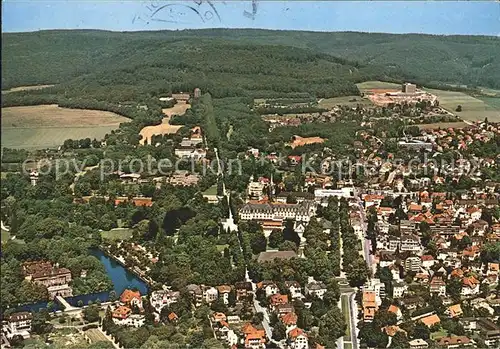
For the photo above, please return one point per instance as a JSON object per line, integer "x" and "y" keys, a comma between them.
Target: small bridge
{"x": 66, "y": 305}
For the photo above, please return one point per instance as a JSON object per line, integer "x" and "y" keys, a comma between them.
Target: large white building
{"x": 278, "y": 211}
{"x": 346, "y": 192}
{"x": 160, "y": 299}
{"x": 19, "y": 324}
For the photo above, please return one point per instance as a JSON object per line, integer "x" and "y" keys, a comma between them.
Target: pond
{"x": 121, "y": 278}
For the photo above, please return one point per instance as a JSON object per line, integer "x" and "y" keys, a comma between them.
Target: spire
{"x": 229, "y": 208}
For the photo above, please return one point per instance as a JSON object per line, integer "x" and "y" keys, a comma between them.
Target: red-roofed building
{"x": 129, "y": 298}
{"x": 298, "y": 339}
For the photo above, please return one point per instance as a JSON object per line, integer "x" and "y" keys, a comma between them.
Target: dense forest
{"x": 233, "y": 62}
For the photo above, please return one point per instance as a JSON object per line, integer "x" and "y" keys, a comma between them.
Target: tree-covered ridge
{"x": 141, "y": 68}
{"x": 57, "y": 56}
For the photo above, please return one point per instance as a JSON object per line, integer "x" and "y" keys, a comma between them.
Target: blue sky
{"x": 432, "y": 17}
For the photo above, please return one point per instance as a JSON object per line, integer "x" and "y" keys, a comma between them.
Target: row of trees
{"x": 353, "y": 262}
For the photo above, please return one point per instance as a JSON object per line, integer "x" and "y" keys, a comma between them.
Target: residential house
{"x": 470, "y": 286}
{"x": 315, "y": 289}
{"x": 454, "y": 342}
{"x": 428, "y": 261}
{"x": 410, "y": 243}
{"x": 131, "y": 298}
{"x": 490, "y": 332}
{"x": 418, "y": 343}
{"x": 123, "y": 316}
{"x": 289, "y": 320}
{"x": 412, "y": 302}
{"x": 430, "y": 320}
{"x": 294, "y": 288}
{"x": 413, "y": 263}
{"x": 269, "y": 287}
{"x": 298, "y": 339}
{"x": 398, "y": 289}
{"x": 395, "y": 310}
{"x": 277, "y": 299}
{"x": 243, "y": 289}
{"x": 454, "y": 311}
{"x": 196, "y": 294}
{"x": 210, "y": 294}
{"x": 438, "y": 286}
{"x": 254, "y": 338}
{"x": 162, "y": 298}
{"x": 224, "y": 291}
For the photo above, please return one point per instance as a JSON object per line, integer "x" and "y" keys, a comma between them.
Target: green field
{"x": 473, "y": 109}
{"x": 117, "y": 234}
{"x": 50, "y": 137}
{"x": 345, "y": 310}
{"x": 211, "y": 191}
{"x": 351, "y": 101}
{"x": 47, "y": 126}
{"x": 368, "y": 85}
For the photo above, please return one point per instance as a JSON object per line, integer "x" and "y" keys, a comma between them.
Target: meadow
{"x": 367, "y": 86}
{"x": 164, "y": 128}
{"x": 117, "y": 234}
{"x": 46, "y": 126}
{"x": 351, "y": 101}
{"x": 473, "y": 109}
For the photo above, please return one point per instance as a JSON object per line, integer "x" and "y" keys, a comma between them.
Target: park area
{"x": 48, "y": 126}
{"x": 117, "y": 234}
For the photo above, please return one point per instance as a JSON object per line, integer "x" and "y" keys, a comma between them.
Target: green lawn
{"x": 439, "y": 334}
{"x": 5, "y": 235}
{"x": 345, "y": 310}
{"x": 221, "y": 248}
{"x": 347, "y": 346}
{"x": 352, "y": 101}
{"x": 211, "y": 191}
{"x": 368, "y": 85}
{"x": 117, "y": 234}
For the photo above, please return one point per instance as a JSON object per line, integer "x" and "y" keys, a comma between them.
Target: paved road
{"x": 367, "y": 244}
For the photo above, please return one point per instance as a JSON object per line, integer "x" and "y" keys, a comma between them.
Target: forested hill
{"x": 130, "y": 67}
{"x": 56, "y": 56}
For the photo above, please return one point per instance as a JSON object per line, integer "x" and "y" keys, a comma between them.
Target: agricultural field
{"x": 437, "y": 125}
{"x": 117, "y": 234}
{"x": 473, "y": 109}
{"x": 164, "y": 128}
{"x": 368, "y": 86}
{"x": 47, "y": 126}
{"x": 351, "y": 101}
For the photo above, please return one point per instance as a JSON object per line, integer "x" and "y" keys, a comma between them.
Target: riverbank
{"x": 121, "y": 277}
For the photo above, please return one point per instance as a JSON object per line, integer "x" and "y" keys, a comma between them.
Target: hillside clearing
{"x": 164, "y": 128}
{"x": 26, "y": 88}
{"x": 352, "y": 101}
{"x": 473, "y": 109}
{"x": 366, "y": 86}
{"x": 46, "y": 126}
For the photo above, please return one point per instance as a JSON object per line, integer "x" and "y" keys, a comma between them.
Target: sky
{"x": 430, "y": 17}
